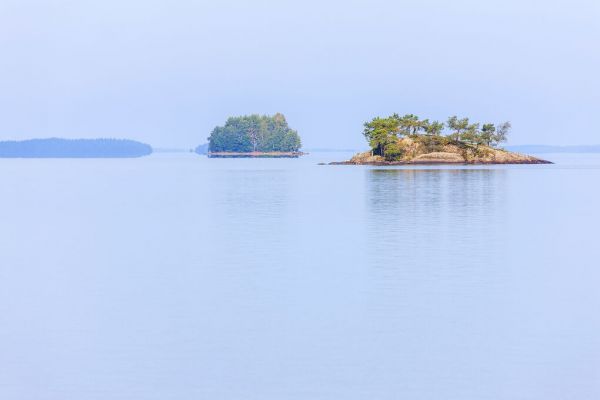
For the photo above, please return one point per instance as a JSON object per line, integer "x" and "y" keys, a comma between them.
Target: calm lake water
{"x": 181, "y": 277}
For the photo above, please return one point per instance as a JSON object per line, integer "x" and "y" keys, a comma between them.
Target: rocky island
{"x": 407, "y": 140}
{"x": 254, "y": 136}
{"x": 74, "y": 148}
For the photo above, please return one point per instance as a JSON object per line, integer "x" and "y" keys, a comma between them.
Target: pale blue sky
{"x": 167, "y": 72}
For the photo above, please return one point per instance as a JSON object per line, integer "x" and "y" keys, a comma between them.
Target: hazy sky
{"x": 166, "y": 72}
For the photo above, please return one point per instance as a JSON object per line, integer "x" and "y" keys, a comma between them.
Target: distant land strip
{"x": 539, "y": 149}
{"x": 74, "y": 148}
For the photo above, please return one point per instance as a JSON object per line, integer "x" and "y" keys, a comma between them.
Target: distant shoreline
{"x": 549, "y": 149}
{"x": 74, "y": 148}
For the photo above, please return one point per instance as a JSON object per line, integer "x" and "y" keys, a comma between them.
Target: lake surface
{"x": 181, "y": 277}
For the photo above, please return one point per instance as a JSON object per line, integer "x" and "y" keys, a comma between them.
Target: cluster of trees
{"x": 254, "y": 133}
{"x": 384, "y": 134}
{"x": 74, "y": 148}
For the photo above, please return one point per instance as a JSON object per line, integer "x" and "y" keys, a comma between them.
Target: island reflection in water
{"x": 427, "y": 216}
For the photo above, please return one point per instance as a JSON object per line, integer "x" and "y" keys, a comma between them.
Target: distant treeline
{"x": 202, "y": 149}
{"x": 74, "y": 148}
{"x": 254, "y": 133}
{"x": 538, "y": 148}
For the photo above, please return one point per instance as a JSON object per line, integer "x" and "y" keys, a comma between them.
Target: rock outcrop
{"x": 415, "y": 153}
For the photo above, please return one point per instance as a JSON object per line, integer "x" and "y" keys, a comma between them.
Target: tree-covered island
{"x": 407, "y": 139}
{"x": 254, "y": 136}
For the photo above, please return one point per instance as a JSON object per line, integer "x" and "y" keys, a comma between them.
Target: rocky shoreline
{"x": 491, "y": 157}
{"x": 255, "y": 154}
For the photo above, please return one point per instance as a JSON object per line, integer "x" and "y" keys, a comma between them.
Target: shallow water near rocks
{"x": 177, "y": 276}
